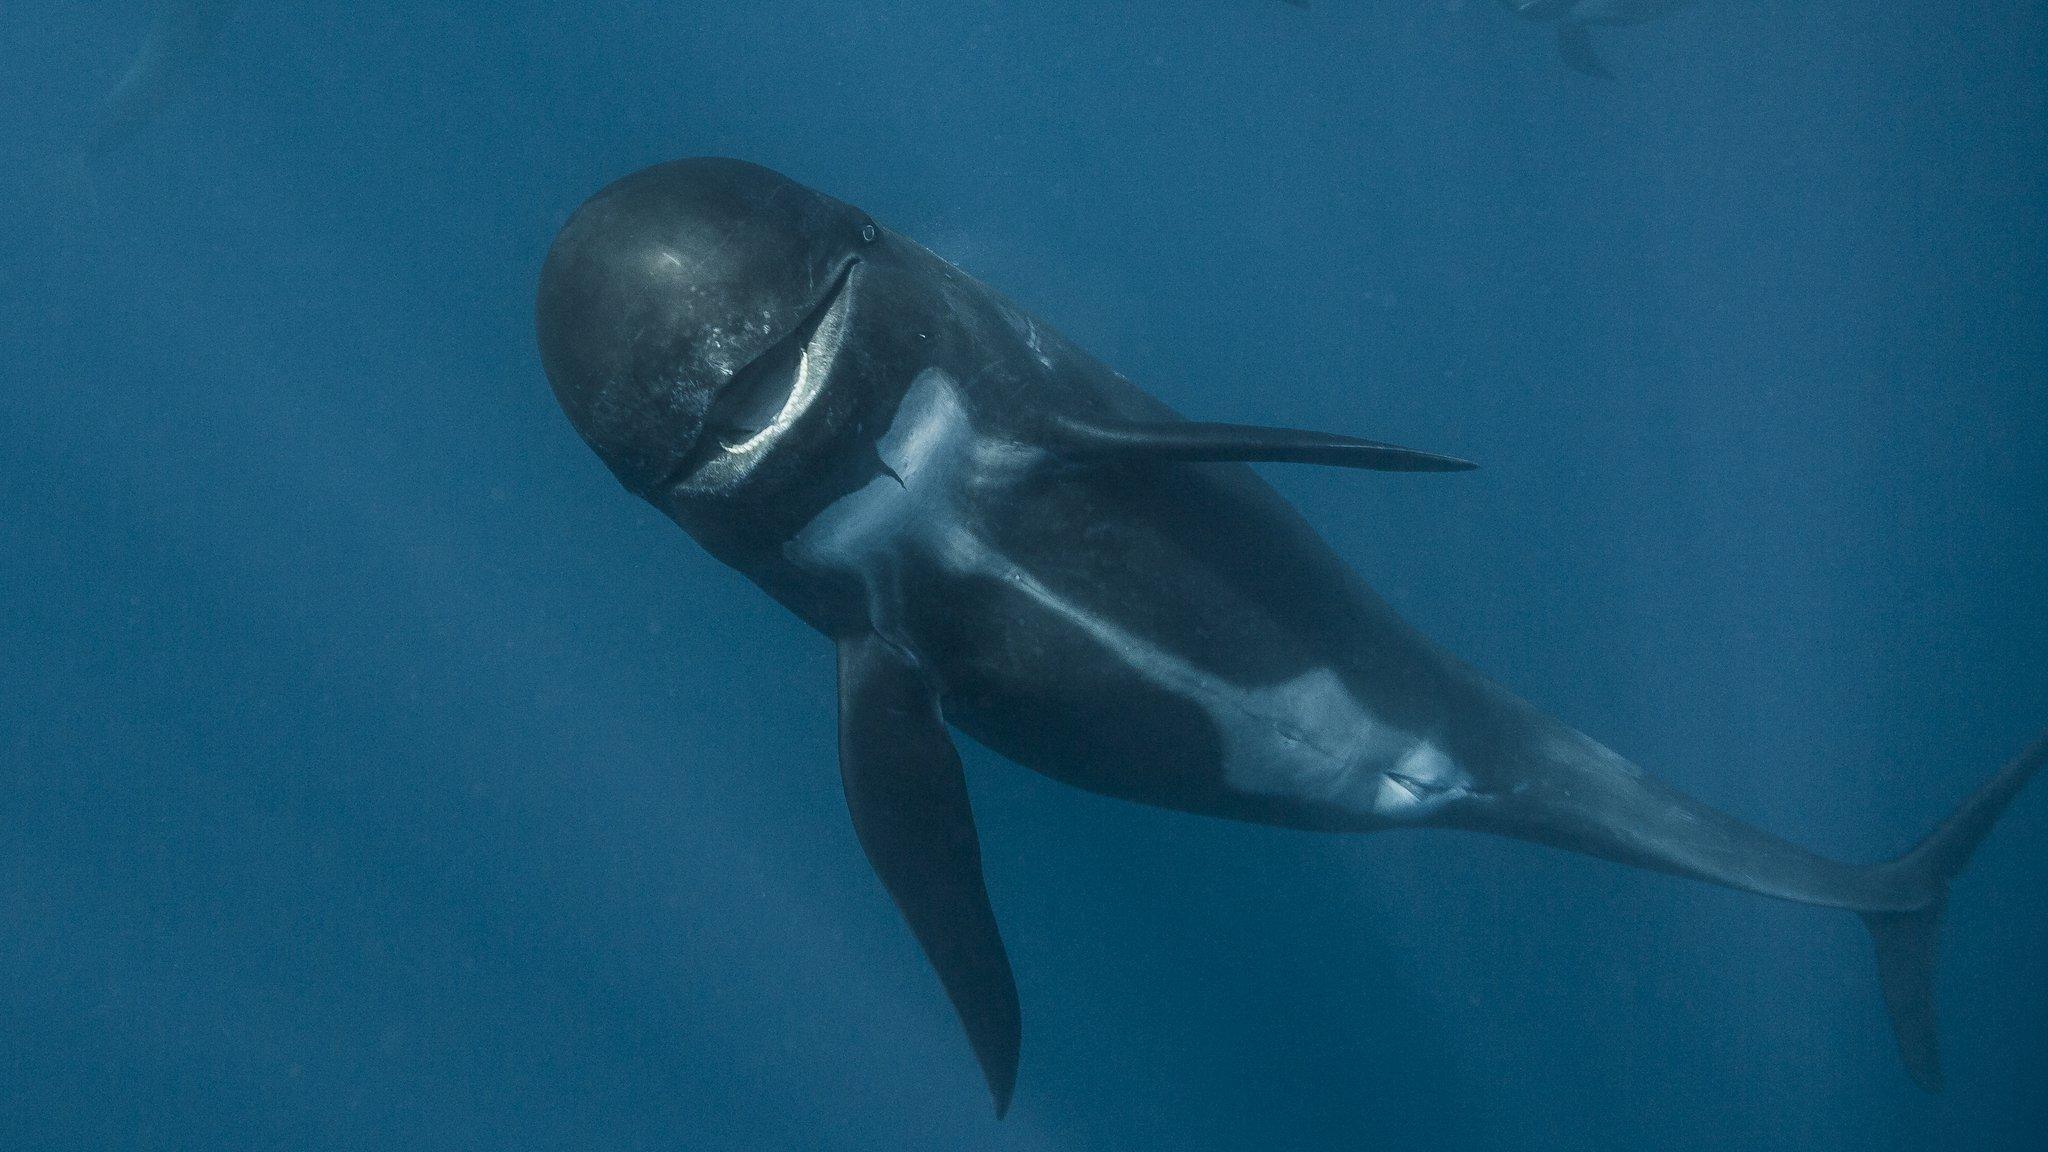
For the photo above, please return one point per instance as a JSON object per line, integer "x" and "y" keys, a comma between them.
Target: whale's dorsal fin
{"x": 908, "y": 797}
{"x": 1084, "y": 440}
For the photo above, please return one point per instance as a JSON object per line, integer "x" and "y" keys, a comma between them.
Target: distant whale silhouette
{"x": 1575, "y": 20}
{"x": 1001, "y": 534}
{"x": 185, "y": 30}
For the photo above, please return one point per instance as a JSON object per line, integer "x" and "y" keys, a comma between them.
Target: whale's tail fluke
{"x": 1573, "y": 793}
{"x": 1908, "y": 941}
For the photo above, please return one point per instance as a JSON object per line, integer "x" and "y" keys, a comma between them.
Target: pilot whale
{"x": 1004, "y": 537}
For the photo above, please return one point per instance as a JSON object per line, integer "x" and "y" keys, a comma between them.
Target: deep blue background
{"x": 377, "y": 774}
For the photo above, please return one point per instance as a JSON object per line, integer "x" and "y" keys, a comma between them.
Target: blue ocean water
{"x": 377, "y": 774}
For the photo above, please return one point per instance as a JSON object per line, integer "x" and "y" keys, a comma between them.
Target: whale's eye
{"x": 867, "y": 233}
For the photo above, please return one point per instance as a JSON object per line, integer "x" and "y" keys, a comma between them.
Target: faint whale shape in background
{"x": 184, "y": 32}
{"x": 1002, "y": 534}
{"x": 1575, "y": 20}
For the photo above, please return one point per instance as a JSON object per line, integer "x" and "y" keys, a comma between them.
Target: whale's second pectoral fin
{"x": 908, "y": 797}
{"x": 1086, "y": 440}
{"x": 1575, "y": 48}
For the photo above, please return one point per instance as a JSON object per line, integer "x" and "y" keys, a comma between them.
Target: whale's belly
{"x": 1072, "y": 648}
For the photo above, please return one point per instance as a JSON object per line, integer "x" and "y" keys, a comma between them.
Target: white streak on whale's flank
{"x": 1307, "y": 737}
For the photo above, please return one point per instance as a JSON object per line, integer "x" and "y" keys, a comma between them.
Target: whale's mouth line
{"x": 768, "y": 393}
{"x": 761, "y": 396}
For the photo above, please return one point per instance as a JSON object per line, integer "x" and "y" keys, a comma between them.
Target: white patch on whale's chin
{"x": 934, "y": 455}
{"x": 931, "y": 438}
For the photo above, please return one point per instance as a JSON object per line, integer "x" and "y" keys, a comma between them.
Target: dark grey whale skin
{"x": 1005, "y": 536}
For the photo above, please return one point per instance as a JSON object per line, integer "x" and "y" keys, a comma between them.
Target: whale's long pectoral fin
{"x": 908, "y": 797}
{"x": 1086, "y": 440}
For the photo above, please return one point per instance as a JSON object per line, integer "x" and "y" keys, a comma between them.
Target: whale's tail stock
{"x": 1908, "y": 940}
{"x": 1576, "y": 794}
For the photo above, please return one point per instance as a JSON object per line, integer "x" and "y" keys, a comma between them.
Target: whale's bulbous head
{"x": 678, "y": 306}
